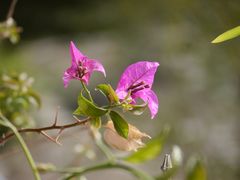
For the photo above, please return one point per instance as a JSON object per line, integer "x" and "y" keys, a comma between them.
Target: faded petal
{"x": 95, "y": 65}
{"x": 151, "y": 98}
{"x": 138, "y": 72}
{"x": 132, "y": 143}
{"x": 135, "y": 133}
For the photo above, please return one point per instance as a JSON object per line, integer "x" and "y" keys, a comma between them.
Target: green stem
{"x": 87, "y": 91}
{"x": 23, "y": 145}
{"x": 103, "y": 147}
{"x": 97, "y": 135}
{"x": 75, "y": 172}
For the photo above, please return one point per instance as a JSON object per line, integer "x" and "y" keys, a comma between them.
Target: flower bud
{"x": 167, "y": 162}
{"x": 132, "y": 143}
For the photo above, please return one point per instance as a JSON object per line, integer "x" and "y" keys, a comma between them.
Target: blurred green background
{"x": 198, "y": 83}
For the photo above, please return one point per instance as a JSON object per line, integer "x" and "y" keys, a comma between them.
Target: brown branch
{"x": 11, "y": 9}
{"x": 47, "y": 128}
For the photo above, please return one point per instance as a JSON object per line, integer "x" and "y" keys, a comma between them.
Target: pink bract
{"x": 82, "y": 67}
{"x": 138, "y": 79}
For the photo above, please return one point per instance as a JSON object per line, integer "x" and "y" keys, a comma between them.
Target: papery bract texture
{"x": 82, "y": 67}
{"x": 137, "y": 80}
{"x": 132, "y": 143}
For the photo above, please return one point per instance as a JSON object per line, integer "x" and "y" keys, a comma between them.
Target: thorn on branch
{"x": 75, "y": 117}
{"x": 56, "y": 117}
{"x": 59, "y": 134}
{"x": 50, "y": 138}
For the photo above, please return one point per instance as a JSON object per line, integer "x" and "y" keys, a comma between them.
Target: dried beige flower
{"x": 132, "y": 143}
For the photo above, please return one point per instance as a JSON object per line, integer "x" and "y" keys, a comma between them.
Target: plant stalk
{"x": 75, "y": 172}
{"x": 23, "y": 145}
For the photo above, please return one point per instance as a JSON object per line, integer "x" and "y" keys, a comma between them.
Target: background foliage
{"x": 197, "y": 83}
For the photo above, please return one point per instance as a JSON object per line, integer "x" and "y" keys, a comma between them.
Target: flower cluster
{"x": 135, "y": 83}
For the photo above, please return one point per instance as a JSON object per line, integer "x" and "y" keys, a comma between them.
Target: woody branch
{"x": 43, "y": 130}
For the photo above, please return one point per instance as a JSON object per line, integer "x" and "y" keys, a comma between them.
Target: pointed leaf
{"x": 108, "y": 91}
{"x": 87, "y": 108}
{"x": 230, "y": 34}
{"x": 151, "y": 150}
{"x": 120, "y": 125}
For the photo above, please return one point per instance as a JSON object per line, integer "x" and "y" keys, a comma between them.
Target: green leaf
{"x": 87, "y": 108}
{"x": 96, "y": 122}
{"x": 196, "y": 170}
{"x": 120, "y": 125}
{"x": 108, "y": 91}
{"x": 138, "y": 109}
{"x": 230, "y": 34}
{"x": 151, "y": 150}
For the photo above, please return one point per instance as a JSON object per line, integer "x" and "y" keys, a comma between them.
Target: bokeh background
{"x": 198, "y": 83}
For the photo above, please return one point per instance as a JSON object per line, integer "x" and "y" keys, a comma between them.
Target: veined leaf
{"x": 120, "y": 125}
{"x": 108, "y": 91}
{"x": 87, "y": 108}
{"x": 230, "y": 34}
{"x": 151, "y": 150}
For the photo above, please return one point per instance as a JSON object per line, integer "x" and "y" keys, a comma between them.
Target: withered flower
{"x": 132, "y": 143}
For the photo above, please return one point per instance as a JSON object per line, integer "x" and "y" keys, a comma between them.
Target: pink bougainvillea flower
{"x": 81, "y": 68}
{"x": 137, "y": 81}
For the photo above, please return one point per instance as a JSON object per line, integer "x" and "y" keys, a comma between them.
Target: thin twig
{"x": 11, "y": 9}
{"x": 32, "y": 144}
{"x": 76, "y": 172}
{"x": 47, "y": 128}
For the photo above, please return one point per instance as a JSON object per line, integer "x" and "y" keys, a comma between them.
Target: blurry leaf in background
{"x": 87, "y": 108}
{"x": 120, "y": 124}
{"x": 230, "y": 34}
{"x": 17, "y": 98}
{"x": 107, "y": 90}
{"x": 151, "y": 150}
{"x": 177, "y": 156}
{"x": 10, "y": 30}
{"x": 34, "y": 98}
{"x": 196, "y": 169}
{"x": 168, "y": 174}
